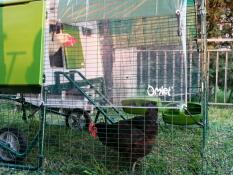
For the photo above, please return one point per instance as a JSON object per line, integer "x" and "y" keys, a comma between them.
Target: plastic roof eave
{"x": 12, "y": 2}
{"x": 74, "y": 11}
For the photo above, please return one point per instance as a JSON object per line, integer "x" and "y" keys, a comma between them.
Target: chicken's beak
{"x": 92, "y": 130}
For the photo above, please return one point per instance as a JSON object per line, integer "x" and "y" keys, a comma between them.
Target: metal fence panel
{"x": 220, "y": 79}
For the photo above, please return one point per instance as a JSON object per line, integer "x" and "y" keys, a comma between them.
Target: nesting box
{"x": 21, "y": 44}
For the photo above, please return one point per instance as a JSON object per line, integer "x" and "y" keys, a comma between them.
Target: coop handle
{"x": 178, "y": 21}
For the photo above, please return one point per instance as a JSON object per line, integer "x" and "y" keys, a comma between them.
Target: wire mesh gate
{"x": 123, "y": 92}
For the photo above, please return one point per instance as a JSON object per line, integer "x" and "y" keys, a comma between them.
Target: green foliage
{"x": 219, "y": 153}
{"x": 218, "y": 13}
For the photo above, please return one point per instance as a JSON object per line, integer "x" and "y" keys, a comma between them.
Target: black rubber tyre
{"x": 16, "y": 140}
{"x": 78, "y": 120}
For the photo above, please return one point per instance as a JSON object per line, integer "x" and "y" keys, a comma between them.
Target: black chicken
{"x": 132, "y": 138}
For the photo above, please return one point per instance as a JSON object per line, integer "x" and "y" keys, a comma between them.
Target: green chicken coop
{"x": 21, "y": 44}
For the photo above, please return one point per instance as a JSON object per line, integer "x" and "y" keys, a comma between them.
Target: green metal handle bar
{"x": 58, "y": 87}
{"x": 89, "y": 83}
{"x": 20, "y": 166}
{"x": 14, "y": 98}
{"x": 8, "y": 97}
{"x": 86, "y": 95}
{"x": 84, "y": 78}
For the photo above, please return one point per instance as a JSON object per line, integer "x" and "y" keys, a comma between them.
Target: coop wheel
{"x": 15, "y": 140}
{"x": 78, "y": 120}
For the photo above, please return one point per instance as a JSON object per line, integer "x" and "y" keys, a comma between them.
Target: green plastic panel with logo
{"x": 21, "y": 44}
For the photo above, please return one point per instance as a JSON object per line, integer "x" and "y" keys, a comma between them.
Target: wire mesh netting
{"x": 122, "y": 91}
{"x": 220, "y": 83}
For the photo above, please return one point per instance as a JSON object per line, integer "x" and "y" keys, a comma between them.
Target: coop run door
{"x": 21, "y": 45}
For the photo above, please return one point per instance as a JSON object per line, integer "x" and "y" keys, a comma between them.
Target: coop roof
{"x": 132, "y": 23}
{"x": 7, "y": 2}
{"x": 73, "y": 11}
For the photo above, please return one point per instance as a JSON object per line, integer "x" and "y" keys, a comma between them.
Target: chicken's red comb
{"x": 71, "y": 41}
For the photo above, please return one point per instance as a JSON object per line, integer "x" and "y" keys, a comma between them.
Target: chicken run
{"x": 111, "y": 74}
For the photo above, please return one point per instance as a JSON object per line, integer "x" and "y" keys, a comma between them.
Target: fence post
{"x": 225, "y": 79}
{"x": 216, "y": 77}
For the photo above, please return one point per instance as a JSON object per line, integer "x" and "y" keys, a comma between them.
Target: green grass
{"x": 220, "y": 143}
{"x": 177, "y": 151}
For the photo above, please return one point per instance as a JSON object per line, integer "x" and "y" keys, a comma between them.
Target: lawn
{"x": 219, "y": 153}
{"x": 177, "y": 151}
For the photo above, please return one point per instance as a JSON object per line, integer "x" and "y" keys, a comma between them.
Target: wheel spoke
{"x": 15, "y": 140}
{"x": 4, "y": 136}
{"x": 77, "y": 121}
{"x": 12, "y": 140}
{"x": 9, "y": 138}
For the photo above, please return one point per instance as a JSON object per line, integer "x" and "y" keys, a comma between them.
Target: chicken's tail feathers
{"x": 152, "y": 110}
{"x": 152, "y": 107}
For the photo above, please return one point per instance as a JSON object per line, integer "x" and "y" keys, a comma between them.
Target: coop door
{"x": 21, "y": 44}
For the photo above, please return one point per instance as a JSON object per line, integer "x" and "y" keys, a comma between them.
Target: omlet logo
{"x": 162, "y": 91}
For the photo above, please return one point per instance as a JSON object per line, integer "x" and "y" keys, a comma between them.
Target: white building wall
{"x": 124, "y": 74}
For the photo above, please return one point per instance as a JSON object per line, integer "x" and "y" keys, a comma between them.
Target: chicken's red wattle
{"x": 92, "y": 130}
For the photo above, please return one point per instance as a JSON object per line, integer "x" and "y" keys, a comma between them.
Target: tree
{"x": 220, "y": 24}
{"x": 219, "y": 17}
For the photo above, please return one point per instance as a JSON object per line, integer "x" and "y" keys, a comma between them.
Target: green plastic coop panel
{"x": 74, "y": 61}
{"x": 21, "y": 43}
